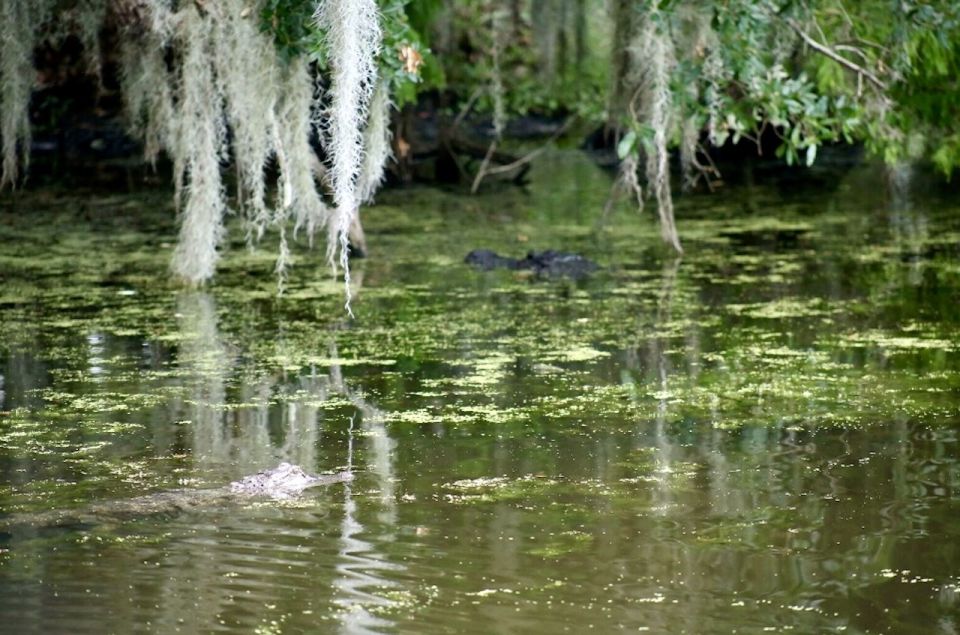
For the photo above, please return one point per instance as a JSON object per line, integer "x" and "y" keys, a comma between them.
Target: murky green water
{"x": 760, "y": 437}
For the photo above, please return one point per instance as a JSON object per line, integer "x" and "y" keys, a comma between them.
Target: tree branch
{"x": 527, "y": 158}
{"x": 836, "y": 57}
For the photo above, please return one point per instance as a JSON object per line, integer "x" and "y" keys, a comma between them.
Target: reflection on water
{"x": 240, "y": 423}
{"x": 760, "y": 437}
{"x": 359, "y": 583}
{"x": 241, "y": 437}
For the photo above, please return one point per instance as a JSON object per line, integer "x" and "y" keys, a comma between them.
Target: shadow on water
{"x": 761, "y": 436}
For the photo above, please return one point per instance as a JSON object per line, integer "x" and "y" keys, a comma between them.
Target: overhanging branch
{"x": 836, "y": 57}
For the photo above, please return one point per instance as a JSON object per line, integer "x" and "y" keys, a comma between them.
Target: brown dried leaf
{"x": 411, "y": 59}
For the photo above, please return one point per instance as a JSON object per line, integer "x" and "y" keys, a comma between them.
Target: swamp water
{"x": 759, "y": 437}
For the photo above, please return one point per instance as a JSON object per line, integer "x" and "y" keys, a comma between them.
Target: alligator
{"x": 543, "y": 264}
{"x": 284, "y": 482}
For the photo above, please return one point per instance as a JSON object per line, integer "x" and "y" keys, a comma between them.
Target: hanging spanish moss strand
{"x": 497, "y": 33}
{"x": 18, "y": 21}
{"x": 297, "y": 195}
{"x": 200, "y": 142}
{"x": 147, "y": 95}
{"x": 650, "y": 62}
{"x": 353, "y": 35}
{"x": 246, "y": 64}
{"x": 147, "y": 85}
{"x": 660, "y": 119}
{"x": 90, "y": 16}
{"x": 83, "y": 20}
{"x": 376, "y": 144}
{"x": 695, "y": 39}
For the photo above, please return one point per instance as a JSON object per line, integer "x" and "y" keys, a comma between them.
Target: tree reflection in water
{"x": 241, "y": 439}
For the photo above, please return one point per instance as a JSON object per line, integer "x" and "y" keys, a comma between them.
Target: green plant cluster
{"x": 295, "y": 33}
{"x": 881, "y": 72}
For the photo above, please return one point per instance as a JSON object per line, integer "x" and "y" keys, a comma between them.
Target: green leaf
{"x": 811, "y": 154}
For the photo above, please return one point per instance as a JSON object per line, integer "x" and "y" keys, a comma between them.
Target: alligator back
{"x": 282, "y": 482}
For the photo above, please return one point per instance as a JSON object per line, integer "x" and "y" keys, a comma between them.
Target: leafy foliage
{"x": 665, "y": 74}
{"x": 405, "y": 60}
{"x": 290, "y": 24}
{"x": 883, "y": 72}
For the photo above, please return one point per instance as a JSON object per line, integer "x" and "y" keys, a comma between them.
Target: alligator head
{"x": 284, "y": 481}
